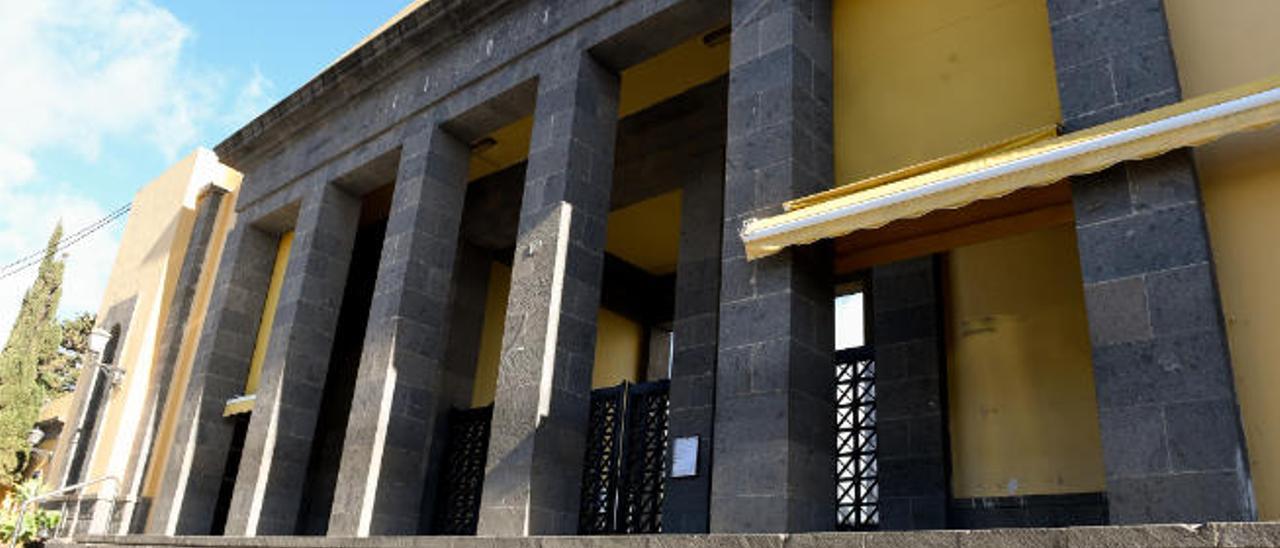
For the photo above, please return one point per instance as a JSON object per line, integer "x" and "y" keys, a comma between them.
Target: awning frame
{"x": 1188, "y": 123}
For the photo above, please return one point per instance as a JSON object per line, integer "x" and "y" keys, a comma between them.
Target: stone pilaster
{"x": 193, "y": 469}
{"x": 466, "y": 323}
{"x": 1172, "y": 440}
{"x": 774, "y": 429}
{"x": 390, "y": 432}
{"x": 911, "y": 420}
{"x": 540, "y": 414}
{"x": 208, "y": 204}
{"x": 466, "y": 326}
{"x": 687, "y": 501}
{"x": 273, "y": 469}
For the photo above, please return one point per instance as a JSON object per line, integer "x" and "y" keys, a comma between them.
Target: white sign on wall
{"x": 684, "y": 459}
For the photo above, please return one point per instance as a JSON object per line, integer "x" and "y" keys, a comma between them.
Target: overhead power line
{"x": 92, "y": 226}
{"x": 33, "y": 259}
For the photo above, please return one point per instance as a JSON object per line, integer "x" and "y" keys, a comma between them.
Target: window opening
{"x": 857, "y": 469}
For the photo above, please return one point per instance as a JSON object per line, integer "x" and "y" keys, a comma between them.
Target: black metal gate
{"x": 462, "y": 478}
{"x": 857, "y": 471}
{"x": 622, "y": 479}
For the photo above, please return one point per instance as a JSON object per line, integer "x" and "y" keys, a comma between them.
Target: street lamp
{"x": 99, "y": 339}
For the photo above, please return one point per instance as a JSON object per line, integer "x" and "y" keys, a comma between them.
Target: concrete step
{"x": 1249, "y": 535}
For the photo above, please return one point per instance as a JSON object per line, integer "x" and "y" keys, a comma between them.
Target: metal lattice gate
{"x": 462, "y": 478}
{"x": 857, "y": 483}
{"x": 622, "y": 479}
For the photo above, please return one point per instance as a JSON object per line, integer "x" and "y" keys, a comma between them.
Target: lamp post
{"x": 98, "y": 341}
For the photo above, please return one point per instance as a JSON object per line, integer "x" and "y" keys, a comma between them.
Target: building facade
{"x": 518, "y": 268}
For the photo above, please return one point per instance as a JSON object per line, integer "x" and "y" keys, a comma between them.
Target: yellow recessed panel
{"x": 647, "y": 234}
{"x": 922, "y": 79}
{"x": 268, "y": 314}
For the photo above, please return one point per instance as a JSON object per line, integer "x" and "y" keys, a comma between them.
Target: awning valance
{"x": 881, "y": 200}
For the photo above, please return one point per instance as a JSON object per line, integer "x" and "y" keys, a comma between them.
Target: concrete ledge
{"x": 1243, "y": 535}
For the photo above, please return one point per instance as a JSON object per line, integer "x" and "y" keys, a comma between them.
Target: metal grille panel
{"x": 857, "y": 471}
{"x": 622, "y": 482}
{"x": 645, "y": 453}
{"x": 600, "y": 465}
{"x": 462, "y": 478}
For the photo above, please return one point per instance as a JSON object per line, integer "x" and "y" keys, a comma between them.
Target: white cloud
{"x": 74, "y": 73}
{"x": 15, "y": 167}
{"x": 254, "y": 97}
{"x": 78, "y": 77}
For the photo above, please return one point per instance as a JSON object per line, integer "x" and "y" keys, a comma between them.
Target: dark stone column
{"x": 393, "y": 411}
{"x": 193, "y": 469}
{"x": 1172, "y": 439}
{"x": 687, "y": 501}
{"x": 208, "y": 203}
{"x": 911, "y": 419}
{"x": 548, "y": 345}
{"x": 472, "y": 267}
{"x": 773, "y": 467}
{"x": 270, "y": 482}
{"x": 466, "y": 323}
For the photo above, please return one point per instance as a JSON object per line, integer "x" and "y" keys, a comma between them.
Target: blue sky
{"x": 97, "y": 97}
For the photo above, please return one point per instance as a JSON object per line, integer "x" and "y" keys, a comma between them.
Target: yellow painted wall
{"x": 146, "y": 270}
{"x": 1024, "y": 416}
{"x": 268, "y": 313}
{"x": 620, "y": 348}
{"x": 619, "y": 343}
{"x": 647, "y": 234}
{"x": 191, "y": 338}
{"x": 1219, "y": 45}
{"x": 495, "y": 312}
{"x": 919, "y": 79}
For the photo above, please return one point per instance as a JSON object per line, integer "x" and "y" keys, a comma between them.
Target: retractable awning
{"x": 920, "y": 190}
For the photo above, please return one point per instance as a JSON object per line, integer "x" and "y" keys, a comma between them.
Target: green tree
{"x": 58, "y": 376}
{"x": 36, "y": 521}
{"x": 33, "y": 344}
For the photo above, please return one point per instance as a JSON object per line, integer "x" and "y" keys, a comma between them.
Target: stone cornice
{"x": 433, "y": 25}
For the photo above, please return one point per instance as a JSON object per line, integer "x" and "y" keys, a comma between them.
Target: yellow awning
{"x": 881, "y": 200}
{"x": 236, "y": 406}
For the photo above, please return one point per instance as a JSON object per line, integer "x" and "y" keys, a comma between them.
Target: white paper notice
{"x": 684, "y": 462}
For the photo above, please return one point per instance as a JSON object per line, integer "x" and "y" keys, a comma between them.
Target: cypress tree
{"x": 33, "y": 343}
{"x": 58, "y": 377}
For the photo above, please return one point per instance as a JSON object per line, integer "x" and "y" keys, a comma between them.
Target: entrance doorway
{"x": 622, "y": 477}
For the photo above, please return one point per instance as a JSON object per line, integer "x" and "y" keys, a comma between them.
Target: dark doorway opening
{"x": 220, "y": 510}
{"x": 344, "y": 365}
{"x": 89, "y": 424}
{"x": 75, "y": 473}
